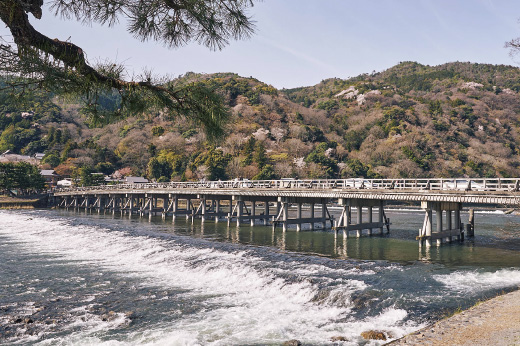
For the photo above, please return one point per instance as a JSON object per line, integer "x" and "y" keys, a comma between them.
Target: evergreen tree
{"x": 22, "y": 176}
{"x": 260, "y": 156}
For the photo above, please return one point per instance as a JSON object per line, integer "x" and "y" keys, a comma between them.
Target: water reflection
{"x": 497, "y": 241}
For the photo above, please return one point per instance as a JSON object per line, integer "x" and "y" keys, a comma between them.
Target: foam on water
{"x": 494, "y": 212}
{"x": 247, "y": 301}
{"x": 476, "y": 282}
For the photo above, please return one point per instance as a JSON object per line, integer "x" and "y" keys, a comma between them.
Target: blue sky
{"x": 301, "y": 42}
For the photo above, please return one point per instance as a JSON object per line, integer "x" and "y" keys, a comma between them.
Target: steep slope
{"x": 456, "y": 119}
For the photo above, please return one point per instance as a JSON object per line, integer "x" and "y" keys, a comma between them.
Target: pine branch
{"x": 62, "y": 66}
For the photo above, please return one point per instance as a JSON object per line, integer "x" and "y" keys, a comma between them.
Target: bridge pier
{"x": 166, "y": 206}
{"x": 470, "y": 227}
{"x": 217, "y": 209}
{"x": 454, "y": 227}
{"x": 240, "y": 212}
{"x": 345, "y": 224}
{"x": 266, "y": 213}
{"x": 98, "y": 204}
{"x": 173, "y": 206}
{"x": 282, "y": 217}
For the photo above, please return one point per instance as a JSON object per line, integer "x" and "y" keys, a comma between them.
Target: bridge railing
{"x": 441, "y": 184}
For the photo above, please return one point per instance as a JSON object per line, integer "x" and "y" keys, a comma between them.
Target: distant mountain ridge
{"x": 412, "y": 120}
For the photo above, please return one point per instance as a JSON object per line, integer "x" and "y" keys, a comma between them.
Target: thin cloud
{"x": 300, "y": 55}
{"x": 491, "y": 7}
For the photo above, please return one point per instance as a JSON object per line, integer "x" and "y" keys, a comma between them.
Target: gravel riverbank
{"x": 493, "y": 322}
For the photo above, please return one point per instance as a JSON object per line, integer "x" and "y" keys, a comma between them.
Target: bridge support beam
{"x": 345, "y": 220}
{"x": 471, "y": 223}
{"x": 283, "y": 216}
{"x": 245, "y": 209}
{"x": 266, "y": 212}
{"x": 448, "y": 225}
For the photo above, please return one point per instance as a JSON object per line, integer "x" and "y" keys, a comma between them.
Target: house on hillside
{"x": 39, "y": 156}
{"x": 51, "y": 177}
{"x": 136, "y": 180}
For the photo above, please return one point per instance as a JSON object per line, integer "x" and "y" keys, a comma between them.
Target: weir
{"x": 304, "y": 202}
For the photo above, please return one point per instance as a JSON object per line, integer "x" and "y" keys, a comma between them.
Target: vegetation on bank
{"x": 22, "y": 203}
{"x": 22, "y": 177}
{"x": 457, "y": 119}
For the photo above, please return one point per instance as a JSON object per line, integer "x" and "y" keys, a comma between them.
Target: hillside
{"x": 456, "y": 119}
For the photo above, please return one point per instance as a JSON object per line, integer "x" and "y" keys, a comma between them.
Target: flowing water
{"x": 88, "y": 279}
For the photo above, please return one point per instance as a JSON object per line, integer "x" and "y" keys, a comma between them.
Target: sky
{"x": 301, "y": 42}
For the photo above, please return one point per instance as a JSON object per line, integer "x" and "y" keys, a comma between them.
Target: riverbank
{"x": 492, "y": 322}
{"x": 29, "y": 202}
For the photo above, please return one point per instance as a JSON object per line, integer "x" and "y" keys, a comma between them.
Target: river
{"x": 95, "y": 279}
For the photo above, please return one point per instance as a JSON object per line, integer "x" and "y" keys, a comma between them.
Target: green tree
{"x": 154, "y": 169}
{"x": 247, "y": 151}
{"x": 104, "y": 167}
{"x": 358, "y": 169}
{"x": 435, "y": 108}
{"x": 266, "y": 173}
{"x": 7, "y": 139}
{"x": 354, "y": 139}
{"x": 157, "y": 131}
{"x": 52, "y": 158}
{"x": 60, "y": 65}
{"x": 176, "y": 162}
{"x": 33, "y": 178}
{"x": 8, "y": 176}
{"x": 215, "y": 161}
{"x": 22, "y": 176}
{"x": 87, "y": 177}
{"x": 330, "y": 166}
{"x": 260, "y": 156}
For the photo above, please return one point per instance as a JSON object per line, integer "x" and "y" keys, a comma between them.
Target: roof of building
{"x": 47, "y": 172}
{"x": 135, "y": 180}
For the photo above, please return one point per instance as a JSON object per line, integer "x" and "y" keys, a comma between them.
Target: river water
{"x": 88, "y": 279}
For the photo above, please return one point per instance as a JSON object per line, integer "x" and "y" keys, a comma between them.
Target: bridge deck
{"x": 475, "y": 191}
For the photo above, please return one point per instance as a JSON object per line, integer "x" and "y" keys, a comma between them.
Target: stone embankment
{"x": 493, "y": 322}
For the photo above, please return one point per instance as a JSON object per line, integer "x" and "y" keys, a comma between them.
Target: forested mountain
{"x": 452, "y": 120}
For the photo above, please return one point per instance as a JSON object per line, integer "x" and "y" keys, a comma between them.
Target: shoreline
{"x": 495, "y": 321}
{"x": 31, "y": 202}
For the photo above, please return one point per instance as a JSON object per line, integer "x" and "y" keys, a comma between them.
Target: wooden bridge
{"x": 241, "y": 201}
